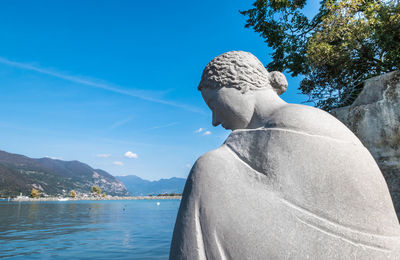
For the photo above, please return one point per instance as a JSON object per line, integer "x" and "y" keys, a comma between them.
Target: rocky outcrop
{"x": 375, "y": 118}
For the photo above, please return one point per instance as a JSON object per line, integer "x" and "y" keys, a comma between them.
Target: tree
{"x": 96, "y": 189}
{"x": 103, "y": 195}
{"x": 35, "y": 193}
{"x": 73, "y": 194}
{"x": 346, "y": 42}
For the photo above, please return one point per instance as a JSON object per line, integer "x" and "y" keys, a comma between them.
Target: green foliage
{"x": 18, "y": 172}
{"x": 169, "y": 194}
{"x": 96, "y": 190}
{"x": 103, "y": 195}
{"x": 285, "y": 29}
{"x": 347, "y": 42}
{"x": 73, "y": 194}
{"x": 35, "y": 193}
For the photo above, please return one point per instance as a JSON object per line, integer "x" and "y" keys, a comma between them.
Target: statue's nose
{"x": 215, "y": 120}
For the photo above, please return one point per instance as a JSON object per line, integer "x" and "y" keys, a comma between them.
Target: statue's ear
{"x": 278, "y": 82}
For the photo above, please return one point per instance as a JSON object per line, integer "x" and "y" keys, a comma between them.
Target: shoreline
{"x": 95, "y": 198}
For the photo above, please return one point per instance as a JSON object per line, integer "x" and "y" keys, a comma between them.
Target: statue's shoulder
{"x": 310, "y": 120}
{"x": 209, "y": 173}
{"x": 215, "y": 159}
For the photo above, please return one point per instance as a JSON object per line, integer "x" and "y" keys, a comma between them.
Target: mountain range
{"x": 140, "y": 187}
{"x": 19, "y": 174}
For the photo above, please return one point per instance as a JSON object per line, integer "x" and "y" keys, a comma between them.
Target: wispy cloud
{"x": 121, "y": 123}
{"x": 118, "y": 163}
{"x": 97, "y": 84}
{"x": 199, "y": 130}
{"x": 162, "y": 126}
{"x": 207, "y": 133}
{"x": 103, "y": 155}
{"x": 131, "y": 155}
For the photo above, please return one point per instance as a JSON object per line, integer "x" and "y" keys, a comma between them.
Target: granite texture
{"x": 290, "y": 181}
{"x": 375, "y": 118}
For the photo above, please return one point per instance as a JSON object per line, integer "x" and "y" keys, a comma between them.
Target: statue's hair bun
{"x": 243, "y": 71}
{"x": 278, "y": 82}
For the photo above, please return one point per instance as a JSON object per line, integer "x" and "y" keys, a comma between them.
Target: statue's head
{"x": 228, "y": 85}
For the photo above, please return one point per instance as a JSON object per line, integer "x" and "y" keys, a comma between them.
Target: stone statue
{"x": 290, "y": 182}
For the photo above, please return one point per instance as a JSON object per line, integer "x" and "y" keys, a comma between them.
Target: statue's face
{"x": 230, "y": 107}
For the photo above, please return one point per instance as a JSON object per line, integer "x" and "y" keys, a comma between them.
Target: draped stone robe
{"x": 294, "y": 189}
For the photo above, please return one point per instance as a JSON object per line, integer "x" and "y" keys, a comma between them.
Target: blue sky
{"x": 113, "y": 83}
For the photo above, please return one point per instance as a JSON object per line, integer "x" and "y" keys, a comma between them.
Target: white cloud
{"x": 207, "y": 133}
{"x": 118, "y": 163}
{"x": 188, "y": 166}
{"x": 54, "y": 158}
{"x": 103, "y": 155}
{"x": 199, "y": 130}
{"x": 131, "y": 155}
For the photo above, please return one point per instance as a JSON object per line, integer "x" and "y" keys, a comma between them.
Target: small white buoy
{"x": 158, "y": 203}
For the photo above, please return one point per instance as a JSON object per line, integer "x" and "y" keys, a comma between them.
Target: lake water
{"x": 132, "y": 229}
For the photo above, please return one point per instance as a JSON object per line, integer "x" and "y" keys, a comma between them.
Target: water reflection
{"x": 104, "y": 229}
{"x": 22, "y": 220}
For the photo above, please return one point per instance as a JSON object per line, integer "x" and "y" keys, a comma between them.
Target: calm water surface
{"x": 135, "y": 229}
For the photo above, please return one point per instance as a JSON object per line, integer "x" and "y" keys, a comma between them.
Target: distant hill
{"x": 19, "y": 174}
{"x": 138, "y": 186}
